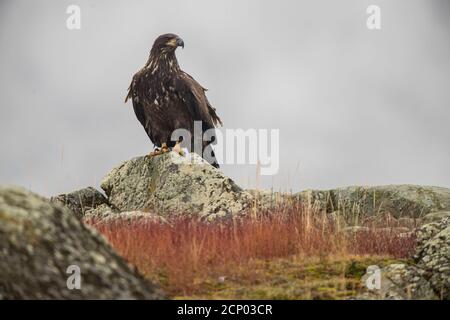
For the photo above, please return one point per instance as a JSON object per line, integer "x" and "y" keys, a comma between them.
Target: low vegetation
{"x": 285, "y": 253}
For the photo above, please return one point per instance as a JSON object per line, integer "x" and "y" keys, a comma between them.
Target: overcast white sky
{"x": 353, "y": 106}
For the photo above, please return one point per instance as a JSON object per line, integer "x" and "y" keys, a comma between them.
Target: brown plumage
{"x": 165, "y": 98}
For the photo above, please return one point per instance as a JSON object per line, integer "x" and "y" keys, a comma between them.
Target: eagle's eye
{"x": 175, "y": 42}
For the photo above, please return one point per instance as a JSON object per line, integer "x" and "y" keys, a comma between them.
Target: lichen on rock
{"x": 399, "y": 282}
{"x": 398, "y": 200}
{"x": 39, "y": 240}
{"x": 81, "y": 201}
{"x": 433, "y": 255}
{"x": 170, "y": 184}
{"x": 106, "y": 214}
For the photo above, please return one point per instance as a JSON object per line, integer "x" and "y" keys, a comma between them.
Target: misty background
{"x": 353, "y": 106}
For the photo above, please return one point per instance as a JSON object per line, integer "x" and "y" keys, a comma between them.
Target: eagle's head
{"x": 167, "y": 43}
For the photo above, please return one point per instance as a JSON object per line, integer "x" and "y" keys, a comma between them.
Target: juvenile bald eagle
{"x": 165, "y": 98}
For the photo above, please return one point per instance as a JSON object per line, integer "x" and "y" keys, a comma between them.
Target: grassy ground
{"x": 292, "y": 278}
{"x": 293, "y": 254}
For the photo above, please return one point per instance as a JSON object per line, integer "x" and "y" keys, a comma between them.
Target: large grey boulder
{"x": 40, "y": 242}
{"x": 397, "y": 200}
{"x": 433, "y": 255}
{"x": 399, "y": 282}
{"x": 171, "y": 184}
{"x": 81, "y": 201}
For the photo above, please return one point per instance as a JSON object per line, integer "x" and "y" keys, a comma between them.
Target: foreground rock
{"x": 433, "y": 255}
{"x": 429, "y": 277}
{"x": 40, "y": 240}
{"x": 81, "y": 201}
{"x": 171, "y": 184}
{"x": 398, "y": 200}
{"x": 400, "y": 282}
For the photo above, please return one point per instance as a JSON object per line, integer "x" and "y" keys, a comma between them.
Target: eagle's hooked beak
{"x": 180, "y": 43}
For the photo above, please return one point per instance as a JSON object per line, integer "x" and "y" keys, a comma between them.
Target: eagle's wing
{"x": 193, "y": 95}
{"x": 141, "y": 102}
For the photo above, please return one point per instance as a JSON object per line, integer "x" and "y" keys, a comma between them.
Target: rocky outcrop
{"x": 400, "y": 282}
{"x": 433, "y": 255}
{"x": 40, "y": 242}
{"x": 436, "y": 216}
{"x": 162, "y": 187}
{"x": 46, "y": 238}
{"x": 81, "y": 201}
{"x": 170, "y": 184}
{"x": 105, "y": 214}
{"x": 397, "y": 200}
{"x": 269, "y": 199}
{"x": 429, "y": 276}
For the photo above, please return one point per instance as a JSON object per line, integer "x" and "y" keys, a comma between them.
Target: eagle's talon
{"x": 164, "y": 148}
{"x": 177, "y": 149}
{"x": 155, "y": 152}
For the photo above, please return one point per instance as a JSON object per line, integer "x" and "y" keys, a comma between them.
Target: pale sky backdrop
{"x": 353, "y": 106}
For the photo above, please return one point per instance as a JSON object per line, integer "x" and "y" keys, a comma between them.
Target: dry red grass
{"x": 186, "y": 248}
